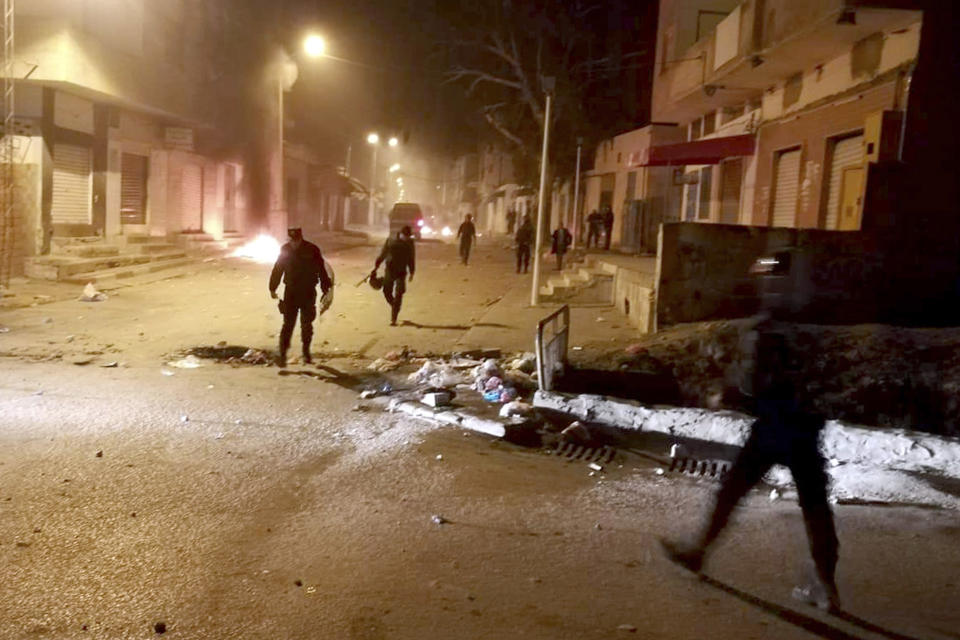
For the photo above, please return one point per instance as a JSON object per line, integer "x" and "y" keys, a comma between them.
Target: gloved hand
{"x": 273, "y": 294}
{"x": 410, "y": 279}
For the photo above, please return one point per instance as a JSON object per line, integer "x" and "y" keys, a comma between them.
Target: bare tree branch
{"x": 479, "y": 77}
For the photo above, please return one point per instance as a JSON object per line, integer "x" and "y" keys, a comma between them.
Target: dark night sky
{"x": 401, "y": 91}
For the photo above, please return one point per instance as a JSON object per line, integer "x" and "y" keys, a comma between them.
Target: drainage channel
{"x": 686, "y": 465}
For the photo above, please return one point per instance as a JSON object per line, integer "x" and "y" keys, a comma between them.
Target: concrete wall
{"x": 837, "y": 276}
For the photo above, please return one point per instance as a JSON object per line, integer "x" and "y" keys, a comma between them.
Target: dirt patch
{"x": 869, "y": 374}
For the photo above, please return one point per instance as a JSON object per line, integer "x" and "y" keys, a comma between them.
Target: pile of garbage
{"x": 233, "y": 355}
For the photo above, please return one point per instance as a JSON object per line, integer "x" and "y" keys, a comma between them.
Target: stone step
{"x": 106, "y": 276}
{"x": 91, "y": 250}
{"x": 66, "y": 241}
{"x": 155, "y": 248}
{"x": 65, "y": 268}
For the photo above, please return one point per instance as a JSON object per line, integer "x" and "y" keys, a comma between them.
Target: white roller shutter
{"x": 785, "y": 197}
{"x": 191, "y": 197}
{"x": 846, "y": 153}
{"x": 71, "y": 185}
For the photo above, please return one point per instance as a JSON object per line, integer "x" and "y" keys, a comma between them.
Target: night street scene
{"x": 479, "y": 319}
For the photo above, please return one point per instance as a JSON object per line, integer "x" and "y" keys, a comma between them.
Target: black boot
{"x": 307, "y": 358}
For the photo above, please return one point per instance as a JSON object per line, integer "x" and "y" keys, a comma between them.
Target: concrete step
{"x": 154, "y": 248}
{"x": 106, "y": 276}
{"x": 91, "y": 250}
{"x": 67, "y": 241}
{"x": 67, "y": 268}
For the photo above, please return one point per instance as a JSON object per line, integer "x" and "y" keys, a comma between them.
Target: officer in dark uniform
{"x": 399, "y": 257}
{"x": 301, "y": 267}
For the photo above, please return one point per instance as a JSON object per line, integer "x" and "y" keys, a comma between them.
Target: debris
{"x": 576, "y": 348}
{"x": 90, "y": 294}
{"x": 190, "y": 362}
{"x": 774, "y": 495}
{"x": 47, "y": 320}
{"x": 4, "y": 329}
{"x": 386, "y": 387}
{"x": 628, "y": 628}
{"x": 166, "y": 372}
{"x": 595, "y": 466}
{"x": 184, "y": 419}
{"x": 382, "y": 365}
{"x": 677, "y": 450}
{"x": 516, "y": 408}
{"x": 439, "y": 456}
{"x": 99, "y": 454}
{"x": 160, "y": 627}
{"x": 660, "y": 471}
{"x": 218, "y": 436}
{"x": 437, "y": 398}
{"x": 39, "y": 392}
{"x": 80, "y": 362}
{"x": 110, "y": 365}
{"x": 368, "y": 393}
{"x": 69, "y": 338}
{"x": 526, "y": 363}
{"x": 576, "y": 433}
{"x": 438, "y": 519}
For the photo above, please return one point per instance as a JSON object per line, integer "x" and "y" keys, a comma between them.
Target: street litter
{"x": 382, "y": 365}
{"x": 576, "y": 348}
{"x": 526, "y": 363}
{"x": 436, "y": 375}
{"x": 4, "y": 329}
{"x": 47, "y": 320}
{"x": 109, "y": 365}
{"x": 595, "y": 466}
{"x": 629, "y": 628}
{"x": 90, "y": 294}
{"x": 368, "y": 393}
{"x": 774, "y": 495}
{"x": 438, "y": 519}
{"x": 515, "y": 408}
{"x": 437, "y": 398}
{"x": 190, "y": 362}
{"x": 677, "y": 450}
{"x": 166, "y": 372}
{"x": 184, "y": 419}
{"x": 576, "y": 433}
{"x": 439, "y": 456}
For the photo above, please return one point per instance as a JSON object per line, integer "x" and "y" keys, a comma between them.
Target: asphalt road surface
{"x": 236, "y": 503}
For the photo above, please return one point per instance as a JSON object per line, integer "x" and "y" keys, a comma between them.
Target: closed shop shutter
{"x": 785, "y": 197}
{"x": 133, "y": 189}
{"x": 732, "y": 175}
{"x": 191, "y": 197}
{"x": 847, "y": 152}
{"x": 71, "y": 185}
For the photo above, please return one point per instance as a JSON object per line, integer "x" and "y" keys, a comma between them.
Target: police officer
{"x": 399, "y": 256}
{"x": 467, "y": 234}
{"x": 301, "y": 267}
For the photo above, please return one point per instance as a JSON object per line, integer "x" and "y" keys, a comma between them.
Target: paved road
{"x": 236, "y": 503}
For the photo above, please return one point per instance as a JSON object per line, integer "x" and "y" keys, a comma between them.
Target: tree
{"x": 500, "y": 50}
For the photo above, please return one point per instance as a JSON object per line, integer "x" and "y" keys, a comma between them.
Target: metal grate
{"x": 599, "y": 455}
{"x": 700, "y": 468}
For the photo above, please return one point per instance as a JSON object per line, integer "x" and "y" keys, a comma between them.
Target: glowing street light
{"x": 373, "y": 138}
{"x": 314, "y": 46}
{"x": 394, "y": 168}
{"x": 393, "y": 141}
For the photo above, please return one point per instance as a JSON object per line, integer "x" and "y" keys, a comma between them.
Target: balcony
{"x": 761, "y": 43}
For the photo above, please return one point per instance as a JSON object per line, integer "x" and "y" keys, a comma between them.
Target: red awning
{"x": 708, "y": 151}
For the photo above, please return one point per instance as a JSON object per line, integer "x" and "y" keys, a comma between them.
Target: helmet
{"x": 376, "y": 282}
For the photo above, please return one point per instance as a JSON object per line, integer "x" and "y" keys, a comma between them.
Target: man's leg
{"x": 308, "y": 313}
{"x": 286, "y": 331}
{"x": 746, "y": 472}
{"x": 807, "y": 467}
{"x": 401, "y": 287}
{"x": 606, "y": 242}
{"x": 519, "y": 253}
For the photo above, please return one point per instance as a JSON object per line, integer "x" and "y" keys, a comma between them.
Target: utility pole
{"x": 576, "y": 197}
{"x": 373, "y": 186}
{"x": 347, "y": 198}
{"x": 548, "y": 85}
{"x": 7, "y": 147}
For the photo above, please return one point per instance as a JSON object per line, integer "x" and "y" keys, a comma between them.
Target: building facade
{"x": 780, "y": 109}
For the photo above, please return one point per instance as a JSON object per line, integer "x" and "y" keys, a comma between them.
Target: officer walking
{"x": 524, "y": 240}
{"x": 467, "y": 233}
{"x": 399, "y": 256}
{"x": 300, "y": 266}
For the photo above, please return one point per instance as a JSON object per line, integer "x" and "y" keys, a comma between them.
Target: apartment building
{"x": 111, "y": 123}
{"x": 783, "y": 106}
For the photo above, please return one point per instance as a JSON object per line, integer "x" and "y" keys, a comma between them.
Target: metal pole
{"x": 373, "y": 186}
{"x": 535, "y": 292}
{"x": 280, "y": 176}
{"x": 576, "y": 198}
{"x": 347, "y": 198}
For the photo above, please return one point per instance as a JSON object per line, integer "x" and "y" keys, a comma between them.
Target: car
{"x": 406, "y": 214}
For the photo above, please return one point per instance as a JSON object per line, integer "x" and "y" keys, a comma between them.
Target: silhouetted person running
{"x": 782, "y": 434}
{"x": 300, "y": 266}
{"x": 524, "y": 240}
{"x": 467, "y": 234}
{"x": 399, "y": 256}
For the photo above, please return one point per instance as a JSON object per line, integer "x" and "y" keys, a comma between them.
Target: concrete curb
{"x": 841, "y": 443}
{"x": 442, "y": 415}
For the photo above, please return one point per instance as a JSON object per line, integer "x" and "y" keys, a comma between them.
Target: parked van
{"x": 406, "y": 214}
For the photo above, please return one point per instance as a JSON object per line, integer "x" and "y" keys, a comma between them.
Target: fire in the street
{"x": 263, "y": 248}
{"x": 446, "y": 232}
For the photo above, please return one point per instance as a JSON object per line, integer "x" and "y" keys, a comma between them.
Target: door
{"x": 191, "y": 197}
{"x": 786, "y": 189}
{"x": 706, "y": 185}
{"x": 730, "y": 182}
{"x": 847, "y": 153}
{"x": 133, "y": 189}
{"x": 72, "y": 185}
{"x": 851, "y": 199}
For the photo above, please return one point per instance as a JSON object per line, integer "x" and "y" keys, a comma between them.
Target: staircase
{"x": 205, "y": 244}
{"x": 91, "y": 259}
{"x": 582, "y": 278}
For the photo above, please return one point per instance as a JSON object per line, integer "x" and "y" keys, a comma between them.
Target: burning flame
{"x": 264, "y": 249}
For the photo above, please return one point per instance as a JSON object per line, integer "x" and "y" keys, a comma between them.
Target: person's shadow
{"x": 808, "y": 623}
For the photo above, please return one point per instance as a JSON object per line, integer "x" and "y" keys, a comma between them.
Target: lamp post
{"x": 373, "y": 139}
{"x": 548, "y": 85}
{"x": 576, "y": 197}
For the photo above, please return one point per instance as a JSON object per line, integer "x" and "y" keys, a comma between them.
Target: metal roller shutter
{"x": 133, "y": 189}
{"x": 732, "y": 175}
{"x": 785, "y": 197}
{"x": 191, "y": 197}
{"x": 71, "y": 185}
{"x": 847, "y": 152}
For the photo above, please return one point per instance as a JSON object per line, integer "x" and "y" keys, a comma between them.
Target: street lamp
{"x": 548, "y": 85}
{"x": 314, "y": 46}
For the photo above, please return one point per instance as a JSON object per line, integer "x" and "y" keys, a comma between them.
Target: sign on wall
{"x": 180, "y": 138}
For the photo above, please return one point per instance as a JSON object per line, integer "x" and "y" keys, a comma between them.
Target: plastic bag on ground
{"x": 516, "y": 408}
{"x": 424, "y": 373}
{"x": 90, "y": 294}
{"x": 526, "y": 363}
{"x": 190, "y": 362}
